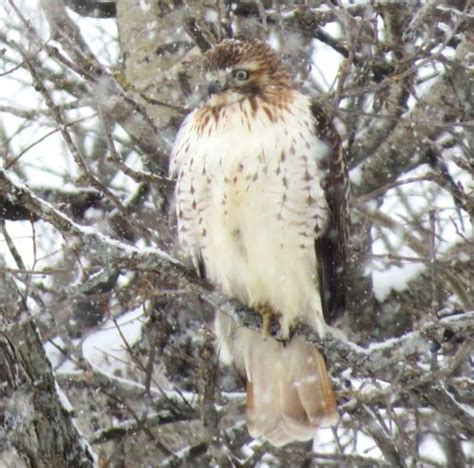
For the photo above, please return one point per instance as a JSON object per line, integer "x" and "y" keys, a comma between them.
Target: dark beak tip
{"x": 214, "y": 87}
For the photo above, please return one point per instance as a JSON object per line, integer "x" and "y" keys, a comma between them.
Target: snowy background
{"x": 417, "y": 227}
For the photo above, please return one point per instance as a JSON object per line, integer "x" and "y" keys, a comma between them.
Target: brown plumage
{"x": 261, "y": 201}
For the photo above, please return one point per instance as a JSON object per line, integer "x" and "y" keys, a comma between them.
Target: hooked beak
{"x": 217, "y": 82}
{"x": 215, "y": 87}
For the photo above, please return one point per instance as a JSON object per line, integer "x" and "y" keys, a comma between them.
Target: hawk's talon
{"x": 266, "y": 325}
{"x": 267, "y": 318}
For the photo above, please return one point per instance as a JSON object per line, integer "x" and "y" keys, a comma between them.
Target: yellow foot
{"x": 267, "y": 314}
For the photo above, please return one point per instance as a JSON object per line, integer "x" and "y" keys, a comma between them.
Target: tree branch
{"x": 107, "y": 252}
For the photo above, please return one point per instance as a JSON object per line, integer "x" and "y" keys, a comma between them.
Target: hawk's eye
{"x": 241, "y": 75}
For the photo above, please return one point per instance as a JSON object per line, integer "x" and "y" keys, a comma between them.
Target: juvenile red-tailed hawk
{"x": 261, "y": 206}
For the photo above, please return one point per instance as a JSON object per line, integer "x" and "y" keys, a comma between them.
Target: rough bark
{"x": 35, "y": 418}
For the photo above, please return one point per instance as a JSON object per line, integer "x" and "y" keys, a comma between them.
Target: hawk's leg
{"x": 269, "y": 317}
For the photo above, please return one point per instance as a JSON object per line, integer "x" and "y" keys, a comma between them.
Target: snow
{"x": 423, "y": 196}
{"x": 325, "y": 62}
{"x": 248, "y": 450}
{"x": 325, "y": 440}
{"x": 144, "y": 5}
{"x": 356, "y": 175}
{"x": 106, "y": 348}
{"x": 394, "y": 279}
{"x": 63, "y": 399}
{"x": 431, "y": 451}
{"x": 46, "y": 162}
{"x": 56, "y": 357}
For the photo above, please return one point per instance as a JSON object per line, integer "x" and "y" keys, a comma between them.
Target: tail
{"x": 289, "y": 394}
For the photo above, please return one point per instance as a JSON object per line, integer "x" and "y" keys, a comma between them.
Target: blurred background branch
{"x": 94, "y": 92}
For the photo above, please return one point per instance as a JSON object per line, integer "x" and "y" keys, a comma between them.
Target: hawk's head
{"x": 237, "y": 69}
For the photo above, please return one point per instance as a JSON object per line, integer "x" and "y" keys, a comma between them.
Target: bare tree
{"x": 106, "y": 349}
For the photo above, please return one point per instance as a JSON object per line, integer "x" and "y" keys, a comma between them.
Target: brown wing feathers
{"x": 331, "y": 248}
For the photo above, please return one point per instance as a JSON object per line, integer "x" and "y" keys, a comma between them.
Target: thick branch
{"x": 32, "y": 410}
{"x": 75, "y": 203}
{"x": 93, "y": 8}
{"x": 107, "y": 252}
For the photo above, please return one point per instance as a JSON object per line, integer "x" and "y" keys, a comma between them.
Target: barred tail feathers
{"x": 289, "y": 392}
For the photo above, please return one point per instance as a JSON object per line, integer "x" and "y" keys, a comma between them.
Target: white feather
{"x": 252, "y": 214}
